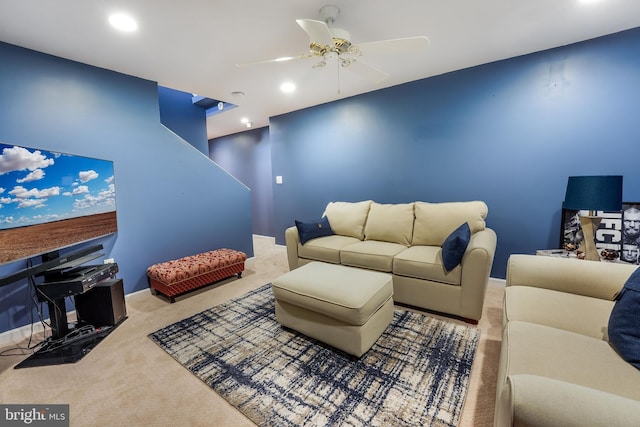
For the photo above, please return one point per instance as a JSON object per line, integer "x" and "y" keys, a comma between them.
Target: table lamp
{"x": 593, "y": 193}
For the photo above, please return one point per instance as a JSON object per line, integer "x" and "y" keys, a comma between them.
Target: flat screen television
{"x": 51, "y": 201}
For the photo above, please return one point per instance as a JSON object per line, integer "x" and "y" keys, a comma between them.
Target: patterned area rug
{"x": 416, "y": 374}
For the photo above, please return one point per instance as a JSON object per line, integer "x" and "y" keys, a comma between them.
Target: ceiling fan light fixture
{"x": 329, "y": 45}
{"x": 318, "y": 49}
{"x": 342, "y": 45}
{"x": 355, "y": 50}
{"x": 331, "y": 55}
{"x": 345, "y": 62}
{"x": 339, "y": 33}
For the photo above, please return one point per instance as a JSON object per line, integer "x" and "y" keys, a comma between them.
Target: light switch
{"x": 279, "y": 179}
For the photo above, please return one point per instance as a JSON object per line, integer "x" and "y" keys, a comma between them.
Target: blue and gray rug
{"x": 416, "y": 374}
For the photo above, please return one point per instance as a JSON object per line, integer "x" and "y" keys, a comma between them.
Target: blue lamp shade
{"x": 594, "y": 193}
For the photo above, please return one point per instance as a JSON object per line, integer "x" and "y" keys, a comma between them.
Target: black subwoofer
{"x": 102, "y": 305}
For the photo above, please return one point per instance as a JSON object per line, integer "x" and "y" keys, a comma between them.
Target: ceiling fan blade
{"x": 367, "y": 71}
{"x": 317, "y": 30}
{"x": 406, "y": 45}
{"x": 281, "y": 59}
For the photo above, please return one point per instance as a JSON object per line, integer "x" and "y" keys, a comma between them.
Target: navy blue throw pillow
{"x": 454, "y": 246}
{"x": 315, "y": 228}
{"x": 624, "y": 322}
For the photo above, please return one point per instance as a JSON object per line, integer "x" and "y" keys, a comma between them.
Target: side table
{"x": 560, "y": 253}
{"x": 563, "y": 253}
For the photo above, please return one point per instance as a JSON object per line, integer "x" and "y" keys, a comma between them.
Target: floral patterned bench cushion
{"x": 178, "y": 270}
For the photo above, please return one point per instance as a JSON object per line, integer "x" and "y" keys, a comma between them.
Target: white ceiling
{"x": 194, "y": 45}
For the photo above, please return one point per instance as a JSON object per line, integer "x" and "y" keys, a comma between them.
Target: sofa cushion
{"x": 454, "y": 246}
{"x": 326, "y": 248}
{"x": 566, "y": 356}
{"x": 435, "y": 221}
{"x": 390, "y": 223}
{"x": 347, "y": 218}
{"x": 313, "y": 229}
{"x": 371, "y": 254}
{"x": 425, "y": 262}
{"x": 624, "y": 328}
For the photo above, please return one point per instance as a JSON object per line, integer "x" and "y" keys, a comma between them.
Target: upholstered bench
{"x": 347, "y": 308}
{"x": 178, "y": 276}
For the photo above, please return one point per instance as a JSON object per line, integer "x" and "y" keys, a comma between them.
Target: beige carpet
{"x": 129, "y": 380}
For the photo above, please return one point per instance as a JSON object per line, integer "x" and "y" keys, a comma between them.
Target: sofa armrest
{"x": 476, "y": 268}
{"x": 292, "y": 239}
{"x": 531, "y": 400}
{"x": 483, "y": 241}
{"x": 589, "y": 278}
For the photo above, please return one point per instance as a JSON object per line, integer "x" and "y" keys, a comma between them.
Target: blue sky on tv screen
{"x": 38, "y": 186}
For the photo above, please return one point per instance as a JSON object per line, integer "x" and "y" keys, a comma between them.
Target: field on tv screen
{"x": 19, "y": 243}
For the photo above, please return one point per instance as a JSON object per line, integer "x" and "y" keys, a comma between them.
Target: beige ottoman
{"x": 347, "y": 308}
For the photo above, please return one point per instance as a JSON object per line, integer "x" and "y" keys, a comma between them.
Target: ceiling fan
{"x": 328, "y": 43}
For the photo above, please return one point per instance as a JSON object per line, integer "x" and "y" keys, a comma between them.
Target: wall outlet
{"x": 279, "y": 179}
{"x": 109, "y": 261}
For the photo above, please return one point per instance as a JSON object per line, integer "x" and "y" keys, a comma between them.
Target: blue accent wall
{"x": 172, "y": 200}
{"x": 182, "y": 116}
{"x": 508, "y": 133}
{"x": 247, "y": 156}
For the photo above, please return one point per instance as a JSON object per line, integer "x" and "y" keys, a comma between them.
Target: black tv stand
{"x": 58, "y": 318}
{"x": 70, "y": 344}
{"x": 67, "y": 349}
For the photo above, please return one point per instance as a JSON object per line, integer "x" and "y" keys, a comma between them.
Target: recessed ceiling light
{"x": 287, "y": 87}
{"x": 244, "y": 120}
{"x": 123, "y": 22}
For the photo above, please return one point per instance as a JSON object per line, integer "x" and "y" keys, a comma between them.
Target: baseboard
{"x": 261, "y": 236}
{"x": 14, "y": 336}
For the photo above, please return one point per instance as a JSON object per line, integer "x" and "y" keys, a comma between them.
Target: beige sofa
{"x": 405, "y": 240}
{"x": 556, "y": 366}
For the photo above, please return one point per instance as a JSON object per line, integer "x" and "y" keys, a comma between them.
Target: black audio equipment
{"x": 102, "y": 305}
{"x": 75, "y": 281}
{"x": 100, "y": 308}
